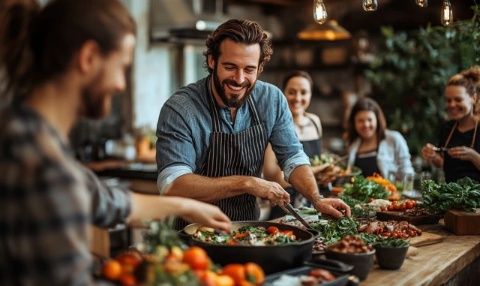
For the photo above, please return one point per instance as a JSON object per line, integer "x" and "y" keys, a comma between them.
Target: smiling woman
{"x": 371, "y": 146}
{"x": 459, "y": 140}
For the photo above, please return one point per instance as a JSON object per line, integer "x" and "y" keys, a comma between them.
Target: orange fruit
{"x": 208, "y": 278}
{"x": 254, "y": 273}
{"x": 236, "y": 271}
{"x": 197, "y": 258}
{"x": 112, "y": 269}
{"x": 224, "y": 280}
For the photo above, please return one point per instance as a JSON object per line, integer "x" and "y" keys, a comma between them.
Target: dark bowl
{"x": 272, "y": 258}
{"x": 340, "y": 280}
{"x": 390, "y": 257}
{"x": 362, "y": 262}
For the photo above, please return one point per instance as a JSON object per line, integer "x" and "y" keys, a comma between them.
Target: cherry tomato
{"x": 272, "y": 230}
{"x": 287, "y": 232}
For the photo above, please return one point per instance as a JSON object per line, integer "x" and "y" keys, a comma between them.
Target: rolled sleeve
{"x": 297, "y": 160}
{"x": 168, "y": 175}
{"x": 176, "y": 154}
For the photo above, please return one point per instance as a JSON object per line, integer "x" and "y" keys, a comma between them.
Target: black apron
{"x": 453, "y": 168}
{"x": 232, "y": 154}
{"x": 312, "y": 147}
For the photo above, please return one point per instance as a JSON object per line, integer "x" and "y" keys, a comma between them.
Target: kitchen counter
{"x": 139, "y": 177}
{"x": 436, "y": 264}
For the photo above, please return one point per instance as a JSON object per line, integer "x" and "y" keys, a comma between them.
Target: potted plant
{"x": 391, "y": 252}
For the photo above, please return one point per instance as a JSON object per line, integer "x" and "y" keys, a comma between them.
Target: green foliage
{"x": 332, "y": 231}
{"x": 362, "y": 190}
{"x": 410, "y": 74}
{"x": 462, "y": 195}
{"x": 161, "y": 233}
{"x": 391, "y": 242}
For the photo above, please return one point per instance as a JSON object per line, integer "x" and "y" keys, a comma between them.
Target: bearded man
{"x": 212, "y": 134}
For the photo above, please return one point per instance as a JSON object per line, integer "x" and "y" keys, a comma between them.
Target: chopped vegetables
{"x": 247, "y": 235}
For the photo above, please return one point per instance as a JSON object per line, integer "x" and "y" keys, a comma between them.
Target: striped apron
{"x": 234, "y": 154}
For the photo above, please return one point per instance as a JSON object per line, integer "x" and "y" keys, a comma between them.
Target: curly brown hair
{"x": 240, "y": 31}
{"x": 470, "y": 80}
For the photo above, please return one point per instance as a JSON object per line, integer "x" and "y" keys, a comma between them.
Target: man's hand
{"x": 268, "y": 190}
{"x": 205, "y": 214}
{"x": 333, "y": 207}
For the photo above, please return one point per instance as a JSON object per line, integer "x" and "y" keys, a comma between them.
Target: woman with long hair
{"x": 371, "y": 146}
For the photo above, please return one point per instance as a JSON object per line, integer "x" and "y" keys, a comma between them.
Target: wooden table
{"x": 434, "y": 264}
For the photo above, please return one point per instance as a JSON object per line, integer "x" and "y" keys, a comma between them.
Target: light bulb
{"x": 370, "y": 5}
{"x": 422, "y": 3}
{"x": 319, "y": 11}
{"x": 447, "y": 13}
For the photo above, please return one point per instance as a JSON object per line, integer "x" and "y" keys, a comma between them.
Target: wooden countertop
{"x": 434, "y": 264}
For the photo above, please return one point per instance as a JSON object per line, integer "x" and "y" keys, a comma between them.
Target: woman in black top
{"x": 297, "y": 87}
{"x": 458, "y": 150}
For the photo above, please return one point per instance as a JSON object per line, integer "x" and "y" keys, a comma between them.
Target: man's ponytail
{"x": 15, "y": 54}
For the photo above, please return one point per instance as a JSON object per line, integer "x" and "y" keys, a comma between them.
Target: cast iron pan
{"x": 272, "y": 258}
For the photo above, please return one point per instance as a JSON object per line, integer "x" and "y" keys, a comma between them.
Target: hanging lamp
{"x": 329, "y": 31}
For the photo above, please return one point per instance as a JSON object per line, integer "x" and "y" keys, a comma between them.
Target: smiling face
{"x": 299, "y": 93}
{"x": 109, "y": 79}
{"x": 366, "y": 124}
{"x": 459, "y": 103}
{"x": 235, "y": 72}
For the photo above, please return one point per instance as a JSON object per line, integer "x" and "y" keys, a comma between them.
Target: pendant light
{"x": 422, "y": 3}
{"x": 329, "y": 31}
{"x": 370, "y": 5}
{"x": 319, "y": 11}
{"x": 447, "y": 13}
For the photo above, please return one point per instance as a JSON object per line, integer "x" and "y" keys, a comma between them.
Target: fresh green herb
{"x": 463, "y": 194}
{"x": 161, "y": 233}
{"x": 369, "y": 238}
{"x": 333, "y": 230}
{"x": 391, "y": 242}
{"x": 363, "y": 190}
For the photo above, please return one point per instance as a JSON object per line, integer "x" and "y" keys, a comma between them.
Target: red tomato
{"x": 272, "y": 229}
{"x": 408, "y": 204}
{"x": 287, "y": 232}
{"x": 128, "y": 280}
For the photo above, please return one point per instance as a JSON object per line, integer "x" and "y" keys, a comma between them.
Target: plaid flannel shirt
{"x": 47, "y": 202}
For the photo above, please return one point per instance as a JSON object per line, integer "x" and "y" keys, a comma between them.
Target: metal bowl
{"x": 272, "y": 258}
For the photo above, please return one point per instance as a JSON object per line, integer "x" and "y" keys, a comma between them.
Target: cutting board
{"x": 426, "y": 238}
{"x": 416, "y": 220}
{"x": 462, "y": 223}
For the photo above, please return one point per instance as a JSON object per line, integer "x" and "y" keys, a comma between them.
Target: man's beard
{"x": 93, "y": 102}
{"x": 92, "y": 105}
{"x": 233, "y": 102}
